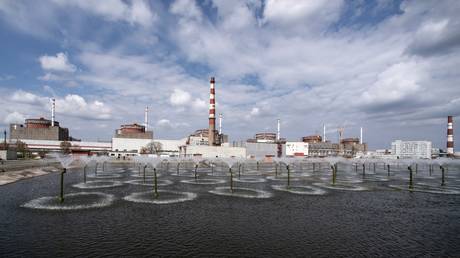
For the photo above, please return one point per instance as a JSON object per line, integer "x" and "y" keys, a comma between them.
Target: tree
{"x": 152, "y": 148}
{"x": 65, "y": 147}
{"x": 22, "y": 148}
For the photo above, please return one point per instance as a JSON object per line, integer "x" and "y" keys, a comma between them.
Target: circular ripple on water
{"x": 165, "y": 197}
{"x": 160, "y": 182}
{"x": 146, "y": 175}
{"x": 300, "y": 189}
{"x": 250, "y": 180}
{"x": 72, "y": 201}
{"x": 98, "y": 184}
{"x": 345, "y": 187}
{"x": 208, "y": 181}
{"x": 282, "y": 178}
{"x": 427, "y": 189}
{"x": 241, "y": 192}
{"x": 104, "y": 176}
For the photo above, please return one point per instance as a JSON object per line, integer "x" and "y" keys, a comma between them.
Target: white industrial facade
{"x": 296, "y": 149}
{"x": 75, "y": 145}
{"x": 411, "y": 149}
{"x": 212, "y": 151}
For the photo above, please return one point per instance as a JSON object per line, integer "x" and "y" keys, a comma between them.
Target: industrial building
{"x": 411, "y": 149}
{"x": 130, "y": 139}
{"x": 296, "y": 149}
{"x": 210, "y": 142}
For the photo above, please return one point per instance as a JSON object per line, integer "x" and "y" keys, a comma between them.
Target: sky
{"x": 391, "y": 67}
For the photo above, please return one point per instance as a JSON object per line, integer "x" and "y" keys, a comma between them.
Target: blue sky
{"x": 389, "y": 66}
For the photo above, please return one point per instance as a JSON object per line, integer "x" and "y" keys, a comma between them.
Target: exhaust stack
{"x": 450, "y": 136}
{"x": 361, "y": 136}
{"x": 53, "y": 108}
{"x": 146, "y": 118}
{"x": 212, "y": 114}
{"x": 324, "y": 133}
{"x": 278, "y": 132}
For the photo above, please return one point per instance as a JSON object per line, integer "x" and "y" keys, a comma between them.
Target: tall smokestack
{"x": 324, "y": 133}
{"x": 220, "y": 123}
{"x": 450, "y": 136}
{"x": 278, "y": 131}
{"x": 361, "y": 136}
{"x": 212, "y": 114}
{"x": 146, "y": 118}
{"x": 53, "y": 107}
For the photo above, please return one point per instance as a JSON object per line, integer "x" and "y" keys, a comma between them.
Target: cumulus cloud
{"x": 180, "y": 97}
{"x": 14, "y": 118}
{"x": 138, "y": 12}
{"x": 59, "y": 63}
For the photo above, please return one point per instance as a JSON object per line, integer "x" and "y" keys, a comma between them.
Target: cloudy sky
{"x": 391, "y": 67}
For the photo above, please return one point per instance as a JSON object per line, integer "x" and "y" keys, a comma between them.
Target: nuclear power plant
{"x": 132, "y": 139}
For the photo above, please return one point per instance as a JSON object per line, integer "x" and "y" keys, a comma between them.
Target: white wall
{"x": 296, "y": 147}
{"x": 129, "y": 144}
{"x": 213, "y": 151}
{"x": 56, "y": 145}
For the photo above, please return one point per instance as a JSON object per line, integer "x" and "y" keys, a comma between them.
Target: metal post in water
{"x": 411, "y": 179}
{"x": 443, "y": 182}
{"x": 276, "y": 169}
{"x": 313, "y": 166}
{"x": 61, "y": 196}
{"x": 212, "y": 168}
{"x": 144, "y": 173}
{"x": 196, "y": 168}
{"x": 231, "y": 179}
{"x": 334, "y": 173}
{"x": 430, "y": 168}
{"x": 416, "y": 168}
{"x": 364, "y": 170}
{"x": 257, "y": 165}
{"x": 95, "y": 170}
{"x": 356, "y": 167}
{"x": 239, "y": 170}
{"x": 84, "y": 174}
{"x": 388, "y": 169}
{"x": 178, "y": 164}
{"x": 155, "y": 183}
{"x": 288, "y": 176}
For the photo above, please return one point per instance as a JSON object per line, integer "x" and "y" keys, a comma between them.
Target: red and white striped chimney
{"x": 450, "y": 136}
{"x": 212, "y": 114}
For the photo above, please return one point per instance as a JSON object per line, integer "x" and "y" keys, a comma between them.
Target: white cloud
{"x": 60, "y": 63}
{"x": 14, "y": 118}
{"x": 27, "y": 97}
{"x": 199, "y": 104}
{"x": 138, "y": 12}
{"x": 180, "y": 97}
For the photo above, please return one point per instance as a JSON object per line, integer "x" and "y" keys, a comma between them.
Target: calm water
{"x": 377, "y": 223}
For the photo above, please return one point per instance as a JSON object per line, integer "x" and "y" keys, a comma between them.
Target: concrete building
{"x": 411, "y": 149}
{"x": 130, "y": 139}
{"x": 39, "y": 129}
{"x": 170, "y": 148}
{"x": 312, "y": 139}
{"x": 8, "y": 154}
{"x": 296, "y": 149}
{"x": 201, "y": 137}
{"x": 212, "y": 151}
{"x": 75, "y": 146}
{"x": 323, "y": 149}
{"x": 352, "y": 147}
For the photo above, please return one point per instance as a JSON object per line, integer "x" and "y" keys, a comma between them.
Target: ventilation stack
{"x": 450, "y": 137}
{"x": 53, "y": 108}
{"x": 324, "y": 133}
{"x": 146, "y": 118}
{"x": 212, "y": 114}
{"x": 361, "y": 136}
{"x": 278, "y": 131}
